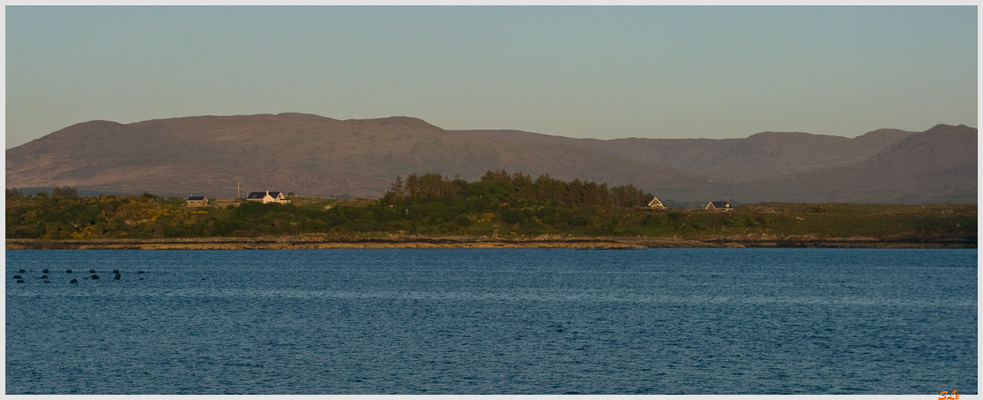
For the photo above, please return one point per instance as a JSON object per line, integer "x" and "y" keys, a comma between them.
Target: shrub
{"x": 463, "y": 221}
{"x": 736, "y": 222}
{"x": 514, "y": 217}
{"x": 24, "y": 232}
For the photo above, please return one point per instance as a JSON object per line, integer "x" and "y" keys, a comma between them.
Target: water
{"x": 493, "y": 321}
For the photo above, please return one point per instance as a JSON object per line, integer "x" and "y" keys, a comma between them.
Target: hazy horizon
{"x": 596, "y": 71}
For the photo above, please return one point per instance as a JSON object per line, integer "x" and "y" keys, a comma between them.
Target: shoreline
{"x": 466, "y": 242}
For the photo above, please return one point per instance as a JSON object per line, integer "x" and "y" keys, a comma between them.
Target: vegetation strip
{"x": 498, "y": 210}
{"x": 604, "y": 243}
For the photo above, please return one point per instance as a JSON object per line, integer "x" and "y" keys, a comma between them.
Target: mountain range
{"x": 226, "y": 156}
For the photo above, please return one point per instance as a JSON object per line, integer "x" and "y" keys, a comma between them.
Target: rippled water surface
{"x": 670, "y": 321}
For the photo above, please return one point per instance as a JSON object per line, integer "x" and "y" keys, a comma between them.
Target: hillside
{"x": 304, "y": 154}
{"x": 926, "y": 168}
{"x": 882, "y": 166}
{"x": 318, "y": 156}
{"x": 761, "y": 156}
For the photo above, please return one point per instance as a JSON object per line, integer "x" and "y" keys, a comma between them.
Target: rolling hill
{"x": 303, "y": 154}
{"x": 313, "y": 155}
{"x": 935, "y": 166}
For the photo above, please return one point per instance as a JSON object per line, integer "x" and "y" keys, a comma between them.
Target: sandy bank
{"x": 458, "y": 242}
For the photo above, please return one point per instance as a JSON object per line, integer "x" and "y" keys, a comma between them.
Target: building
{"x": 197, "y": 201}
{"x": 655, "y": 204}
{"x": 268, "y": 197}
{"x": 719, "y": 206}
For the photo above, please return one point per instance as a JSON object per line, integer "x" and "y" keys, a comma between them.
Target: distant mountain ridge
{"x": 924, "y": 168}
{"x": 760, "y": 156}
{"x": 314, "y": 155}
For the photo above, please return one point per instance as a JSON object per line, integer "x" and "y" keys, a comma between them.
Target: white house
{"x": 268, "y": 197}
{"x": 719, "y": 205}
{"x": 656, "y": 204}
{"x": 197, "y": 201}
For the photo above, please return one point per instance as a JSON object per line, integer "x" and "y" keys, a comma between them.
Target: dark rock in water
{"x": 44, "y": 270}
{"x": 44, "y": 276}
{"x": 18, "y": 277}
{"x": 68, "y": 271}
{"x": 141, "y": 279}
{"x": 117, "y": 276}
{"x": 115, "y": 271}
{"x": 92, "y": 271}
{"x": 140, "y": 272}
{"x": 73, "y": 281}
{"x": 22, "y": 271}
{"x": 20, "y": 281}
{"x": 94, "y": 276}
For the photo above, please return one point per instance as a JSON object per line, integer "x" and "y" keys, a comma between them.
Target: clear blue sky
{"x": 601, "y": 72}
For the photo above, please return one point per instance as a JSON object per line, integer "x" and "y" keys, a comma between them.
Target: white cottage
{"x": 197, "y": 201}
{"x": 719, "y": 205}
{"x": 655, "y": 204}
{"x": 268, "y": 197}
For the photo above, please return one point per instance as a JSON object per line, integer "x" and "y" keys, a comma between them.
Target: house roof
{"x": 196, "y": 198}
{"x": 720, "y": 204}
{"x": 260, "y": 195}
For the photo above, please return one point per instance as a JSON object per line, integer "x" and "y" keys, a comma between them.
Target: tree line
{"x": 510, "y": 187}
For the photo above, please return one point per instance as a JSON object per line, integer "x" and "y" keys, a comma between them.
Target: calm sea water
{"x": 669, "y": 321}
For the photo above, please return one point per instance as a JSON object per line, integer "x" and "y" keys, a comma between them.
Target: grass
{"x": 151, "y": 217}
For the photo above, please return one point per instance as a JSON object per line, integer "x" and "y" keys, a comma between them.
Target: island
{"x": 500, "y": 210}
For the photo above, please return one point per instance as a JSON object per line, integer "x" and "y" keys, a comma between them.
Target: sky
{"x": 579, "y": 71}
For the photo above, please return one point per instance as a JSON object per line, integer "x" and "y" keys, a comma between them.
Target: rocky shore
{"x": 457, "y": 242}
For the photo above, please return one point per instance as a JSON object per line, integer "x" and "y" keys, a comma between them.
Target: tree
{"x": 575, "y": 192}
{"x": 524, "y": 186}
{"x": 549, "y": 189}
{"x": 605, "y": 195}
{"x": 66, "y": 192}
{"x": 591, "y": 194}
{"x": 397, "y": 189}
{"x": 413, "y": 186}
